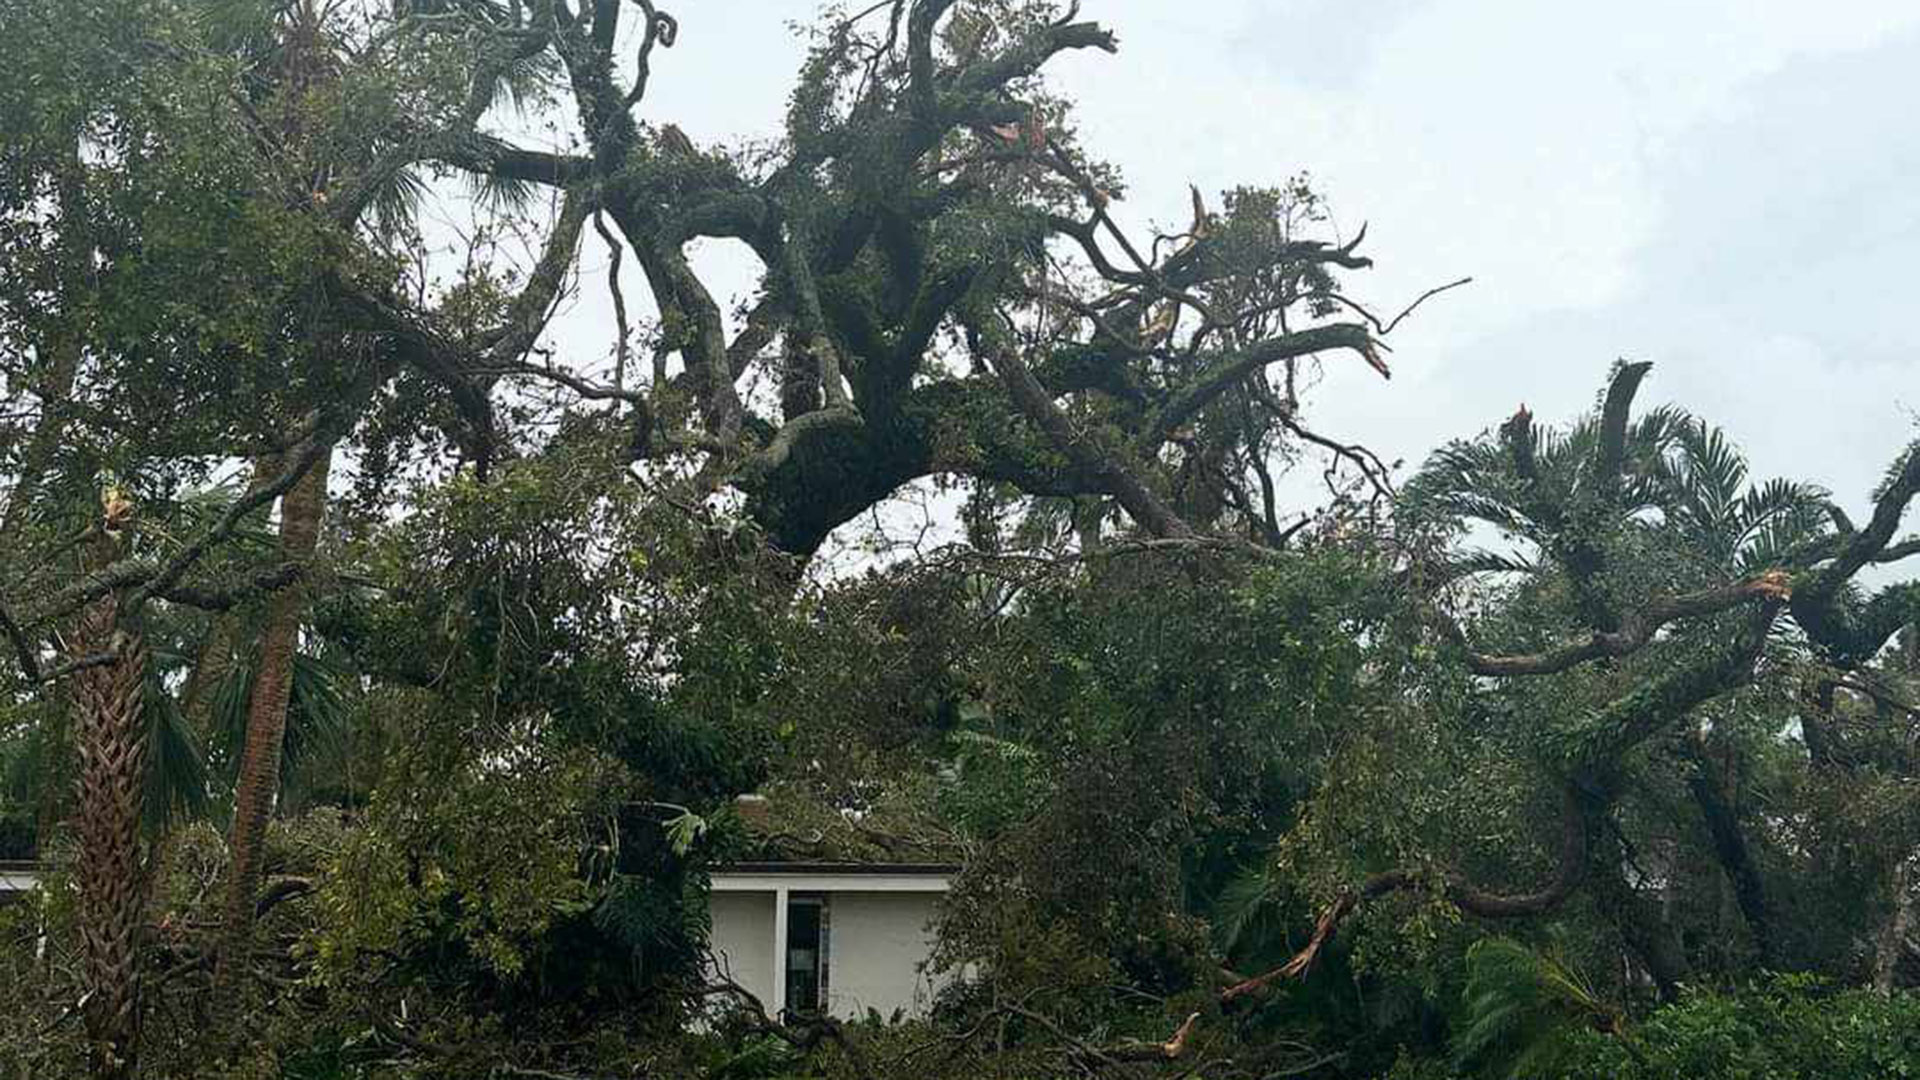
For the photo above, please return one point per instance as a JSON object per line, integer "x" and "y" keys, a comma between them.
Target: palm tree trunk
{"x": 113, "y": 758}
{"x": 258, "y": 785}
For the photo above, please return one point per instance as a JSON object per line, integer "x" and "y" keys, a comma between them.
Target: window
{"x": 806, "y": 954}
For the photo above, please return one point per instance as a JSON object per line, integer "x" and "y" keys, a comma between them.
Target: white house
{"x": 839, "y": 938}
{"x": 17, "y": 878}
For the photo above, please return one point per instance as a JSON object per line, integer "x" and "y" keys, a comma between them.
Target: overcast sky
{"x": 1730, "y": 189}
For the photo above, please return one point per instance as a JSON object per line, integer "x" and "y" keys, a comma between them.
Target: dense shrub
{"x": 1789, "y": 1027}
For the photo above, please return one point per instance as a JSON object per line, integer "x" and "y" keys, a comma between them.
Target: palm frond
{"x": 1483, "y": 561}
{"x": 1774, "y": 517}
{"x": 501, "y": 194}
{"x": 176, "y": 786}
{"x": 396, "y": 202}
{"x": 1520, "y": 1004}
{"x": 1248, "y": 903}
{"x": 317, "y": 713}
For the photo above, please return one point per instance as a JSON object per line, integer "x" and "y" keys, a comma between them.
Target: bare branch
{"x": 615, "y": 252}
{"x": 1570, "y": 867}
{"x": 662, "y": 30}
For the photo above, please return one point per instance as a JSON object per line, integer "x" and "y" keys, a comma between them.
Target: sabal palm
{"x": 113, "y": 748}
{"x": 1681, "y": 478}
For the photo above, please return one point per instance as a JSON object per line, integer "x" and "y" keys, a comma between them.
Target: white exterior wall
{"x": 743, "y": 940}
{"x": 878, "y": 944}
{"x": 879, "y": 936}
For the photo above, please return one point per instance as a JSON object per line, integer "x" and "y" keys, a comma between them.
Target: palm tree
{"x": 109, "y": 695}
{"x": 1677, "y": 476}
{"x": 257, "y": 784}
{"x": 290, "y": 56}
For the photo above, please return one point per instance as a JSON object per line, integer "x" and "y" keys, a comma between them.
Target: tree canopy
{"x": 381, "y": 677}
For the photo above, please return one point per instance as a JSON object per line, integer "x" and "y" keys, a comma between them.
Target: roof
{"x": 793, "y": 826}
{"x": 832, "y": 877}
{"x": 817, "y": 868}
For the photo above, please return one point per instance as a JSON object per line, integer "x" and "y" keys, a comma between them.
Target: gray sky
{"x": 1725, "y": 187}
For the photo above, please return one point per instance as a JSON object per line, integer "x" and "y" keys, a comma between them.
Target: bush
{"x": 1791, "y": 1027}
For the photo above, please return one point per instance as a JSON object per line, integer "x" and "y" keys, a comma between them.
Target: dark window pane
{"x": 806, "y": 959}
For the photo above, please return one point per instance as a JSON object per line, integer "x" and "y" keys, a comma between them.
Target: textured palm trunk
{"x": 258, "y": 784}
{"x": 113, "y": 758}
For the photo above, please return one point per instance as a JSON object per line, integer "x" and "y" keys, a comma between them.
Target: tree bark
{"x": 1891, "y": 942}
{"x": 301, "y": 512}
{"x": 1714, "y": 800}
{"x": 113, "y": 758}
{"x": 1816, "y": 718}
{"x": 1640, "y": 922}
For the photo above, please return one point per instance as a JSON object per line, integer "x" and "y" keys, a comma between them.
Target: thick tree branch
{"x": 1667, "y": 698}
{"x": 922, "y": 93}
{"x": 1611, "y": 454}
{"x": 1146, "y": 507}
{"x": 1570, "y": 866}
{"x": 1820, "y": 606}
{"x": 260, "y": 582}
{"x": 529, "y": 312}
{"x": 412, "y": 343}
{"x": 1637, "y": 628}
{"x": 491, "y": 156}
{"x": 1228, "y": 371}
{"x": 1730, "y": 847}
{"x": 1031, "y": 53}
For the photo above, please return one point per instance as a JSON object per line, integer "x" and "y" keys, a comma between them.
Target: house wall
{"x": 743, "y": 940}
{"x": 879, "y": 942}
{"x": 17, "y": 879}
{"x": 879, "y": 935}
